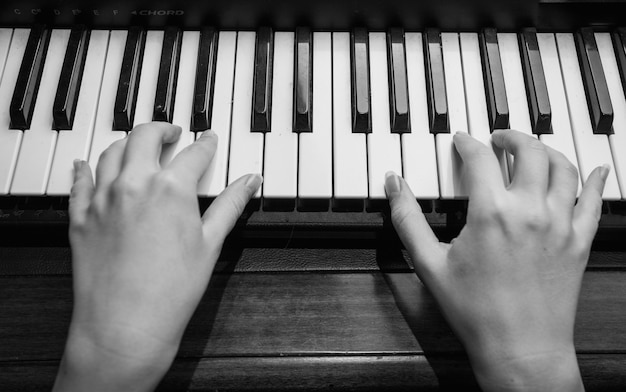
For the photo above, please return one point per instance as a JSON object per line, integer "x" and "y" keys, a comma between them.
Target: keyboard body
{"x": 301, "y": 299}
{"x": 454, "y": 15}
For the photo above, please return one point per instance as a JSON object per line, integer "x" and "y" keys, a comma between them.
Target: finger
{"x": 193, "y": 161}
{"x": 563, "y": 184}
{"x": 81, "y": 193}
{"x": 530, "y": 170}
{"x": 589, "y": 207}
{"x": 412, "y": 227}
{"x": 110, "y": 164}
{"x": 145, "y": 142}
{"x": 221, "y": 216}
{"x": 483, "y": 176}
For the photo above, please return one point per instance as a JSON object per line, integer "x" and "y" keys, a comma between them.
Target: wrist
{"x": 112, "y": 362}
{"x": 539, "y": 371}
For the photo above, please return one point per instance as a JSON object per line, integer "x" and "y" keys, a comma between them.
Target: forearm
{"x": 89, "y": 366}
{"x": 541, "y": 372}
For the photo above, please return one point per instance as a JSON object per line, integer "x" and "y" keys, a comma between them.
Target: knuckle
{"x": 168, "y": 182}
{"x": 74, "y": 192}
{"x": 565, "y": 164}
{"x": 579, "y": 247}
{"x": 536, "y": 220}
{"x": 100, "y": 207}
{"x": 562, "y": 235}
{"x": 484, "y": 215}
{"x": 76, "y": 223}
{"x": 503, "y": 139}
{"x": 571, "y": 170}
{"x": 125, "y": 186}
{"x": 77, "y": 226}
{"x": 535, "y": 145}
{"x": 115, "y": 147}
{"x": 488, "y": 210}
{"x": 75, "y": 229}
{"x": 477, "y": 155}
{"x": 140, "y": 128}
{"x": 201, "y": 148}
{"x": 481, "y": 152}
{"x": 510, "y": 215}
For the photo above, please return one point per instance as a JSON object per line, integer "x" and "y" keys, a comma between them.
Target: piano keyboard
{"x": 322, "y": 115}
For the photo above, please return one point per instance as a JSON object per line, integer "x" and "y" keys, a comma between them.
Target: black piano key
{"x": 594, "y": 80}
{"x": 361, "y": 106}
{"x": 398, "y": 84}
{"x": 262, "y": 92}
{"x": 619, "y": 44}
{"x": 128, "y": 86}
{"x": 205, "y": 80}
{"x": 435, "y": 82}
{"x": 64, "y": 107}
{"x": 497, "y": 104}
{"x": 540, "y": 111}
{"x": 29, "y": 77}
{"x": 303, "y": 108}
{"x": 168, "y": 75}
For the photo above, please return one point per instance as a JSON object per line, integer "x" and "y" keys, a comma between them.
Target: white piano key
{"x": 349, "y": 149}
{"x": 383, "y": 147}
{"x": 183, "y": 104}
{"x": 5, "y": 42}
{"x": 561, "y": 138}
{"x": 315, "y": 176}
{"x": 478, "y": 117}
{"x": 76, "y": 143}
{"x": 617, "y": 140}
{"x": 149, "y": 75}
{"x": 35, "y": 157}
{"x": 104, "y": 134}
{"x": 592, "y": 150}
{"x": 448, "y": 160}
{"x": 10, "y": 139}
{"x": 214, "y": 180}
{"x": 419, "y": 161}
{"x": 519, "y": 115}
{"x": 246, "y": 147}
{"x": 281, "y": 143}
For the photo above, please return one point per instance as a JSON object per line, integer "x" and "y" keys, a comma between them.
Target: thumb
{"x": 412, "y": 227}
{"x": 81, "y": 193}
{"x": 221, "y": 216}
{"x": 588, "y": 209}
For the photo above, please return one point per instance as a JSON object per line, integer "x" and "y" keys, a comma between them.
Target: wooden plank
{"x": 57, "y": 260}
{"x": 259, "y": 314}
{"x": 601, "y": 372}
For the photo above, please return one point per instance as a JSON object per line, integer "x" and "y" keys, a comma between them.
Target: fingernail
{"x": 209, "y": 133}
{"x": 604, "y": 171}
{"x": 461, "y": 134}
{"x": 78, "y": 163}
{"x": 254, "y": 181}
{"x": 392, "y": 183}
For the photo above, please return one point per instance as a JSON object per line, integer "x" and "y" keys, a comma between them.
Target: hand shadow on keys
{"x": 194, "y": 353}
{"x": 443, "y": 351}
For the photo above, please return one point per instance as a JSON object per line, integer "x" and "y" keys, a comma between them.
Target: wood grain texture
{"x": 349, "y": 331}
{"x": 601, "y": 373}
{"x": 57, "y": 260}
